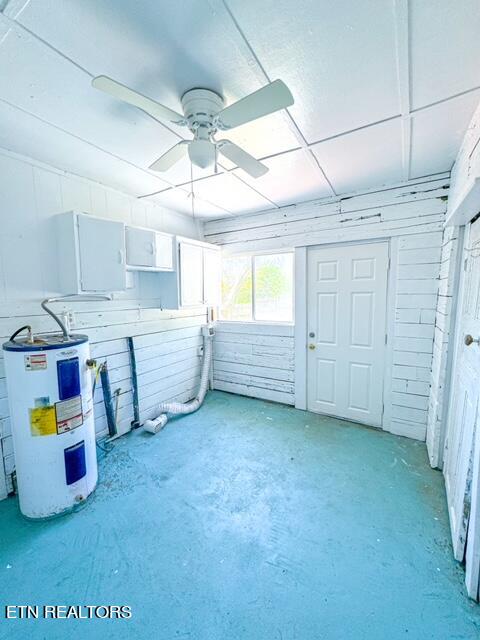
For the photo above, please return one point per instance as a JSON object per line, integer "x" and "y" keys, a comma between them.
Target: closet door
{"x": 460, "y": 458}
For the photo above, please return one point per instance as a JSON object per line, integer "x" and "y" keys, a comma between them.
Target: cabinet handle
{"x": 151, "y": 248}
{"x": 120, "y": 256}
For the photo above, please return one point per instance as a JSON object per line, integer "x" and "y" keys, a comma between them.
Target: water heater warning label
{"x": 43, "y": 421}
{"x": 69, "y": 414}
{"x": 36, "y": 362}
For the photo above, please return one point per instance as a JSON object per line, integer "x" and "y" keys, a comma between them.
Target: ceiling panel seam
{"x": 294, "y": 149}
{"x": 443, "y": 100}
{"x": 19, "y": 26}
{"x": 169, "y": 185}
{"x": 402, "y": 40}
{"x": 296, "y": 129}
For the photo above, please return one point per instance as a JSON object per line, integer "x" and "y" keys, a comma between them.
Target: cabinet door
{"x": 211, "y": 277}
{"x": 191, "y": 274}
{"x": 163, "y": 251}
{"x": 140, "y": 245}
{"x": 102, "y": 254}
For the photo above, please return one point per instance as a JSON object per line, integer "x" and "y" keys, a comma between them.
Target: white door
{"x": 458, "y": 462}
{"x": 347, "y": 298}
{"x": 102, "y": 254}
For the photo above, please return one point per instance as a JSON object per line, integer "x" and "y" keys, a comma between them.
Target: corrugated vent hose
{"x": 168, "y": 409}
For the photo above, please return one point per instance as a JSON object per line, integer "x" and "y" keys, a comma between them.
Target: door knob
{"x": 311, "y": 346}
{"x": 470, "y": 340}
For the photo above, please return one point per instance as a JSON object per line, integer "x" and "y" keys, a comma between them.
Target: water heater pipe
{"x": 167, "y": 409}
{"x": 71, "y": 296}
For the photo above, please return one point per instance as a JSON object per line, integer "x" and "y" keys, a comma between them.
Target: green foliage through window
{"x": 258, "y": 288}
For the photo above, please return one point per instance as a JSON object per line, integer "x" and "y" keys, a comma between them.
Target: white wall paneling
{"x": 255, "y": 359}
{"x": 30, "y": 196}
{"x": 300, "y": 328}
{"x": 443, "y": 345}
{"x": 412, "y": 216}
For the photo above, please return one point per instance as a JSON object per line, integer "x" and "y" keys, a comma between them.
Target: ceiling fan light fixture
{"x": 204, "y": 114}
{"x": 202, "y": 153}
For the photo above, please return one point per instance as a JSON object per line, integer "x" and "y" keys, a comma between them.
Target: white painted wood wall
{"x": 255, "y": 360}
{"x": 167, "y": 341}
{"x": 411, "y": 215}
{"x": 443, "y": 345}
{"x": 465, "y": 169}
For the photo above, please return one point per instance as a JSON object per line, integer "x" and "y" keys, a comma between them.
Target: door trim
{"x": 301, "y": 295}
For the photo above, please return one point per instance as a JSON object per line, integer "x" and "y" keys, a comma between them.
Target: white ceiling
{"x": 384, "y": 91}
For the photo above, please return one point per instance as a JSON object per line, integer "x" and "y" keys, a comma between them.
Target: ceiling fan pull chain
{"x": 192, "y": 193}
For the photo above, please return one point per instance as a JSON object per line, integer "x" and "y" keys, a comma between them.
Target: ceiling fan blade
{"x": 268, "y": 99}
{"x": 153, "y": 108}
{"x": 170, "y": 157}
{"x": 242, "y": 159}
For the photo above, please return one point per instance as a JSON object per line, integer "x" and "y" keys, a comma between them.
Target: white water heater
{"x": 51, "y": 409}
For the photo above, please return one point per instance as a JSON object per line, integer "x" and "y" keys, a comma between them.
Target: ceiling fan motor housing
{"x": 200, "y": 107}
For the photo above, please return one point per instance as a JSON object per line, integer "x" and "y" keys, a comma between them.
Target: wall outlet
{"x": 68, "y": 318}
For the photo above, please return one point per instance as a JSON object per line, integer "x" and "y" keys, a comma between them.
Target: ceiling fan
{"x": 204, "y": 114}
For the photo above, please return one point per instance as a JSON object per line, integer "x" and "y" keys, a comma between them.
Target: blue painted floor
{"x": 247, "y": 520}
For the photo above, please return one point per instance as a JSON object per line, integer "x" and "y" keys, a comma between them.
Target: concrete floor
{"x": 248, "y": 520}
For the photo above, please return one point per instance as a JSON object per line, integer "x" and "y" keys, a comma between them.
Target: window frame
{"x": 252, "y": 255}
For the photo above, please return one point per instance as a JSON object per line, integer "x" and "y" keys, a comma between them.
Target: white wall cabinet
{"x": 196, "y": 281}
{"x": 95, "y": 256}
{"x": 148, "y": 250}
{"x": 211, "y": 276}
{"x": 91, "y": 254}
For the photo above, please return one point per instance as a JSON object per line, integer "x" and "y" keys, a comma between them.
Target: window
{"x": 257, "y": 288}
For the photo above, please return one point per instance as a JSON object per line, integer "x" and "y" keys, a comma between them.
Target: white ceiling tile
{"x": 180, "y": 200}
{"x": 231, "y": 194}
{"x": 292, "y": 177}
{"x": 338, "y": 59}
{"x": 148, "y": 50}
{"x": 437, "y": 134}
{"x": 163, "y": 51}
{"x": 43, "y": 83}
{"x": 26, "y": 135}
{"x": 180, "y": 173}
{"x": 367, "y": 158}
{"x": 445, "y": 48}
{"x": 264, "y": 137}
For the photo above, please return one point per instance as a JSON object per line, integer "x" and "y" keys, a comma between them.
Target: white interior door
{"x": 346, "y": 314}
{"x": 459, "y": 453}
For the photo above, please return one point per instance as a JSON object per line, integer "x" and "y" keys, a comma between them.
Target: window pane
{"x": 274, "y": 287}
{"x": 236, "y": 288}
